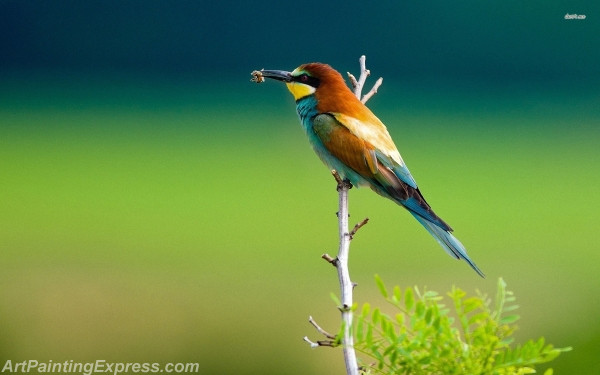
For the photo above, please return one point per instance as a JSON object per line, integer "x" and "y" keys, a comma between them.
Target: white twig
{"x": 312, "y": 344}
{"x": 319, "y": 329}
{"x": 358, "y": 226}
{"x": 341, "y": 261}
{"x": 353, "y": 80}
{"x": 330, "y": 343}
{"x": 373, "y": 90}
{"x": 346, "y": 284}
{"x": 364, "y": 73}
{"x": 359, "y": 84}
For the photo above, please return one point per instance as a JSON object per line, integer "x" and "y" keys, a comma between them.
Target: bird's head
{"x": 308, "y": 79}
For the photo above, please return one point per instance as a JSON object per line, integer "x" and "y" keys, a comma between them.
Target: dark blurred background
{"x": 155, "y": 206}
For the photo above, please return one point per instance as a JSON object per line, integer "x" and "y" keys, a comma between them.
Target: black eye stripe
{"x": 306, "y": 79}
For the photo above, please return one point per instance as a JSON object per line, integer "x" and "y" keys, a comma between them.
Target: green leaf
{"x": 420, "y": 310}
{"x": 509, "y": 319}
{"x": 389, "y": 331}
{"x": 428, "y": 314}
{"x": 397, "y": 297}
{"x": 471, "y": 304}
{"x": 384, "y": 324}
{"x": 381, "y": 286}
{"x": 365, "y": 310}
{"x": 400, "y": 319}
{"x": 393, "y": 356}
{"x": 431, "y": 295}
{"x": 335, "y": 299}
{"x": 540, "y": 344}
{"x": 340, "y": 335}
{"x": 409, "y": 299}
{"x": 510, "y": 308}
{"x": 376, "y": 315}
{"x": 359, "y": 330}
{"x": 420, "y": 337}
{"x": 481, "y": 317}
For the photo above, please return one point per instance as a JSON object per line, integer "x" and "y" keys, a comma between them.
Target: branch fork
{"x": 358, "y": 85}
{"x": 331, "y": 338}
{"x": 341, "y": 261}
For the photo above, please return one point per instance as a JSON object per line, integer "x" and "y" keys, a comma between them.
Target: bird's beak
{"x": 279, "y": 75}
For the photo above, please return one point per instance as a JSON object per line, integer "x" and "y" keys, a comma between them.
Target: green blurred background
{"x": 155, "y": 206}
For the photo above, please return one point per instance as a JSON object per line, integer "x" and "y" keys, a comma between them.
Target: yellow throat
{"x": 300, "y": 90}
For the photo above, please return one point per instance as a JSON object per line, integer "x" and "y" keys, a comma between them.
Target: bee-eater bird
{"x": 349, "y": 138}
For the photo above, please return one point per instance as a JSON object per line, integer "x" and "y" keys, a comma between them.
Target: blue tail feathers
{"x": 449, "y": 243}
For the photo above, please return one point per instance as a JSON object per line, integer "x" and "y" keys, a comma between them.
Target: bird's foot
{"x": 341, "y": 183}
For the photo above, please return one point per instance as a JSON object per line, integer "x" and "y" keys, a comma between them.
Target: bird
{"x": 350, "y": 139}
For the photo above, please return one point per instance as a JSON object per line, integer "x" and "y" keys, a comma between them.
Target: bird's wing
{"x": 351, "y": 150}
{"x": 375, "y": 133}
{"x": 371, "y": 163}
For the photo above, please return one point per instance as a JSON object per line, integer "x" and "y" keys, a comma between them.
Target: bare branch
{"x": 373, "y": 90}
{"x": 337, "y": 177}
{"x": 364, "y": 73}
{"x": 329, "y": 259}
{"x": 341, "y": 261}
{"x": 359, "y": 84}
{"x": 319, "y": 329}
{"x": 346, "y": 285}
{"x": 312, "y": 344}
{"x": 357, "y": 227}
{"x": 352, "y": 80}
{"x": 319, "y": 343}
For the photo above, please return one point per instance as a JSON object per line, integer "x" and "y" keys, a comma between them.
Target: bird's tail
{"x": 449, "y": 243}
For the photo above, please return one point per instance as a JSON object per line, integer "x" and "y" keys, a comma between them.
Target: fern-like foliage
{"x": 424, "y": 336}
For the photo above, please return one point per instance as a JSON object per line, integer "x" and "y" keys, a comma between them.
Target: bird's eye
{"x": 306, "y": 79}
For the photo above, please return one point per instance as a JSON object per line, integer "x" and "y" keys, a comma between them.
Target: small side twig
{"x": 353, "y": 81}
{"x": 357, "y": 227}
{"x": 359, "y": 84}
{"x": 319, "y": 329}
{"x": 331, "y": 338}
{"x": 373, "y": 91}
{"x": 329, "y": 259}
{"x": 319, "y": 342}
